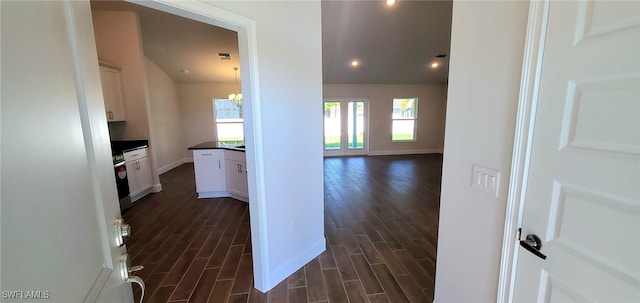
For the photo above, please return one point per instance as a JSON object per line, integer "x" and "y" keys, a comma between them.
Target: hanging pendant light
{"x": 237, "y": 97}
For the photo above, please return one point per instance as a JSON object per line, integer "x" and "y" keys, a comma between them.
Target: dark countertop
{"x": 122, "y": 146}
{"x": 218, "y": 145}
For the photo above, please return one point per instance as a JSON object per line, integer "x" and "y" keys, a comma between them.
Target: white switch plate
{"x": 485, "y": 179}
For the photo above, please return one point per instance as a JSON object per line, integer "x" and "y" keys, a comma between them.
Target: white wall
{"x": 166, "y": 123}
{"x": 486, "y": 60}
{"x": 431, "y": 111}
{"x": 196, "y": 108}
{"x": 289, "y": 58}
{"x": 118, "y": 42}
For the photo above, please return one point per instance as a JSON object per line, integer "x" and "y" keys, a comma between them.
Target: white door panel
{"x": 58, "y": 189}
{"x": 583, "y": 188}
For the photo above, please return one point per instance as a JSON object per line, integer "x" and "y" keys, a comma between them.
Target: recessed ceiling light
{"x": 391, "y": 2}
{"x": 354, "y": 63}
{"x": 435, "y": 64}
{"x": 184, "y": 71}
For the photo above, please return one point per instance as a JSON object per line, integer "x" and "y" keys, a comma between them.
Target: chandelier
{"x": 237, "y": 97}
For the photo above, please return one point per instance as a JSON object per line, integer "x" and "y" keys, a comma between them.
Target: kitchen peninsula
{"x": 220, "y": 170}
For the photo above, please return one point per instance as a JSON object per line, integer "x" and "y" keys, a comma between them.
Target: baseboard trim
{"x": 157, "y": 188}
{"x": 143, "y": 193}
{"x": 238, "y": 197}
{"x": 213, "y": 194}
{"x": 296, "y": 263}
{"x": 188, "y": 160}
{"x": 406, "y": 152}
{"x": 171, "y": 166}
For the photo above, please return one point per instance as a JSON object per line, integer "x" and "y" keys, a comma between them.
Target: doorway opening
{"x": 242, "y": 29}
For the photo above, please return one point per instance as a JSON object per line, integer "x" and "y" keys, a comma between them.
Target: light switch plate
{"x": 485, "y": 179}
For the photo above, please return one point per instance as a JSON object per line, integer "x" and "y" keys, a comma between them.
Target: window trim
{"x": 415, "y": 120}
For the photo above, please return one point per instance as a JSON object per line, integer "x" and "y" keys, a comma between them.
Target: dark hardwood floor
{"x": 381, "y": 222}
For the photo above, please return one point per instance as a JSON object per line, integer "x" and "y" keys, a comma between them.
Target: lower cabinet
{"x": 209, "y": 166}
{"x": 237, "y": 184}
{"x": 138, "y": 173}
{"x": 221, "y": 173}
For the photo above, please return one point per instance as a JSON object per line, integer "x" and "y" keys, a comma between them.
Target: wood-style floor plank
{"x": 244, "y": 276}
{"x": 367, "y": 277}
{"x": 391, "y": 287}
{"x": 381, "y": 225}
{"x": 335, "y": 288}
{"x": 355, "y": 292}
{"x": 315, "y": 282}
{"x": 221, "y": 291}
{"x": 297, "y": 279}
{"x": 298, "y": 295}
{"x": 238, "y": 298}
{"x": 347, "y": 271}
{"x": 203, "y": 289}
{"x": 411, "y": 289}
{"x": 279, "y": 293}
{"x": 189, "y": 280}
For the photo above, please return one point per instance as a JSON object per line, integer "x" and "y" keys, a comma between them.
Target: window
{"x": 403, "y": 119}
{"x": 229, "y": 121}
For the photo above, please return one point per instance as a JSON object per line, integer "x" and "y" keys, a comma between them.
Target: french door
{"x": 346, "y": 126}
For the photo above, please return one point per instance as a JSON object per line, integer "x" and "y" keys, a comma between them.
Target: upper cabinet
{"x": 112, "y": 92}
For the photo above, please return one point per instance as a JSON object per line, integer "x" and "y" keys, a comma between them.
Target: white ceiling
{"x": 395, "y": 45}
{"x": 175, "y": 43}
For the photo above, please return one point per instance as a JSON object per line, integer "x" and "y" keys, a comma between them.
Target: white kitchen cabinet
{"x": 237, "y": 184}
{"x": 138, "y": 173}
{"x": 112, "y": 93}
{"x": 209, "y": 165}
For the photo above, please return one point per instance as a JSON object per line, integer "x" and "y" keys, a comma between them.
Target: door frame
{"x": 523, "y": 139}
{"x": 248, "y": 47}
{"x": 344, "y": 151}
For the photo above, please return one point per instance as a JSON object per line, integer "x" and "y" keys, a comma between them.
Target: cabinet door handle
{"x": 219, "y": 165}
{"x": 206, "y": 154}
{"x": 238, "y": 168}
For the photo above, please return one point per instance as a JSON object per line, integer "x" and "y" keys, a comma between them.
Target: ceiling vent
{"x": 441, "y": 55}
{"x": 224, "y": 56}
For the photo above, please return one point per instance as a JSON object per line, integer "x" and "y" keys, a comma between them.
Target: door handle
{"x": 533, "y": 244}
{"x": 123, "y": 231}
{"x": 126, "y": 270}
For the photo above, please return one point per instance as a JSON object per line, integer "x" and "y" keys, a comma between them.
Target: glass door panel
{"x": 332, "y": 126}
{"x": 355, "y": 125}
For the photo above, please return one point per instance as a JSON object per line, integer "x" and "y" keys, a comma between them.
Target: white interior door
{"x": 59, "y": 198}
{"x": 345, "y": 126}
{"x": 582, "y": 194}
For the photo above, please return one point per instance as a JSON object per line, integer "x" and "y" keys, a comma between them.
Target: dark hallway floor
{"x": 381, "y": 220}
